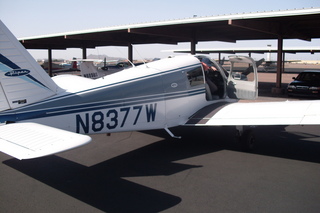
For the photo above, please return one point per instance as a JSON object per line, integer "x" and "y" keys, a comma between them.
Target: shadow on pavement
{"x": 104, "y": 186}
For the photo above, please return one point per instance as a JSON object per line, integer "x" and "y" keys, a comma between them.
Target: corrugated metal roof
{"x": 249, "y": 49}
{"x": 301, "y": 23}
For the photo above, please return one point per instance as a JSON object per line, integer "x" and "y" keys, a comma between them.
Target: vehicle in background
{"x": 307, "y": 84}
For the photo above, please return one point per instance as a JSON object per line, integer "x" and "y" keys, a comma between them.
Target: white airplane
{"x": 40, "y": 115}
{"x": 87, "y": 69}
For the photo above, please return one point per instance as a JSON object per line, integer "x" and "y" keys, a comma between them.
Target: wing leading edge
{"x": 31, "y": 140}
{"x": 258, "y": 113}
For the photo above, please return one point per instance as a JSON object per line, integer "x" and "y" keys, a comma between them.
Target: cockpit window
{"x": 207, "y": 63}
{"x": 195, "y": 77}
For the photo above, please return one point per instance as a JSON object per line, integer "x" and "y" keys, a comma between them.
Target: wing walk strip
{"x": 261, "y": 113}
{"x": 206, "y": 113}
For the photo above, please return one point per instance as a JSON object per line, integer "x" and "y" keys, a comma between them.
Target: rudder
{"x": 22, "y": 79}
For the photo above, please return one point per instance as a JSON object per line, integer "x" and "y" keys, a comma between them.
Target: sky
{"x": 39, "y": 17}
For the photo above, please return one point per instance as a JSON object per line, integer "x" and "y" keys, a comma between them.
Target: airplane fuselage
{"x": 151, "y": 96}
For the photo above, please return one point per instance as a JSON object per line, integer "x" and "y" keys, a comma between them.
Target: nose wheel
{"x": 246, "y": 139}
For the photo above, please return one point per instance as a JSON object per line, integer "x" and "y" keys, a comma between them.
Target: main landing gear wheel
{"x": 246, "y": 140}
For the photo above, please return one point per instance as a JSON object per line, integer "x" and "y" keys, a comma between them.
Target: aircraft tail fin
{"x": 74, "y": 64}
{"x": 222, "y": 61}
{"x": 22, "y": 79}
{"x": 258, "y": 63}
{"x": 88, "y": 70}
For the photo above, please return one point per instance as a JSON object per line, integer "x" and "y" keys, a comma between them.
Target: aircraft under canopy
{"x": 40, "y": 115}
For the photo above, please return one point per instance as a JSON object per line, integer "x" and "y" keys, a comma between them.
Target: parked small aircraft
{"x": 40, "y": 115}
{"x": 87, "y": 68}
{"x": 62, "y": 67}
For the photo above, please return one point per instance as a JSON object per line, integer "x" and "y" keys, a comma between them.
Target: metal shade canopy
{"x": 291, "y": 24}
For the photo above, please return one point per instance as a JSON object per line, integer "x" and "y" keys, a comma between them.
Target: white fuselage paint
{"x": 152, "y": 96}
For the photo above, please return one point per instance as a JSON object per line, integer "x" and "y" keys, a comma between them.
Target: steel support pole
{"x": 130, "y": 52}
{"x": 50, "y": 62}
{"x": 278, "y": 89}
{"x": 193, "y": 46}
{"x": 279, "y": 62}
{"x": 84, "y": 53}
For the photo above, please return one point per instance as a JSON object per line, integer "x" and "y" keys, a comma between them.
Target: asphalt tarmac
{"x": 149, "y": 171}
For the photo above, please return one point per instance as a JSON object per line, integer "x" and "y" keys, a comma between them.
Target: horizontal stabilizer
{"x": 31, "y": 140}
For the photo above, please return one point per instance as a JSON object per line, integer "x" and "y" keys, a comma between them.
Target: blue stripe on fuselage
{"x": 113, "y": 84}
{"x": 46, "y": 107}
{"x": 47, "y": 112}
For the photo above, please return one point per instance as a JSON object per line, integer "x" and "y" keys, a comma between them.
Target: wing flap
{"x": 31, "y": 140}
{"x": 258, "y": 113}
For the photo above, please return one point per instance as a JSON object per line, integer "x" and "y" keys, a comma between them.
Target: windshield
{"x": 309, "y": 76}
{"x": 213, "y": 65}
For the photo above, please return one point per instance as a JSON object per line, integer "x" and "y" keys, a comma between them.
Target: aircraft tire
{"x": 247, "y": 141}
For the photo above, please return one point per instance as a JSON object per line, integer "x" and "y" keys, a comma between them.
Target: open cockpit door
{"x": 243, "y": 78}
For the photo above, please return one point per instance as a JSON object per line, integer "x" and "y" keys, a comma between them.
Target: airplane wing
{"x": 31, "y": 140}
{"x": 258, "y": 113}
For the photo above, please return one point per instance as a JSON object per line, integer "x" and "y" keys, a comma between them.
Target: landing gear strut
{"x": 245, "y": 138}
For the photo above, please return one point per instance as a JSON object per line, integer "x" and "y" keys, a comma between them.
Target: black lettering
{"x": 83, "y": 124}
{"x": 114, "y": 119}
{"x": 151, "y": 112}
{"x": 138, "y": 114}
{"x": 126, "y": 109}
{"x": 97, "y": 121}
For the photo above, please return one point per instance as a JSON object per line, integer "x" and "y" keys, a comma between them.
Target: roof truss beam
{"x": 168, "y": 33}
{"x": 120, "y": 39}
{"x": 270, "y": 27}
{"x": 182, "y": 35}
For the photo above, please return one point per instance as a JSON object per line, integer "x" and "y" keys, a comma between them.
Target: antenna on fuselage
{"x": 144, "y": 62}
{"x": 132, "y": 64}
